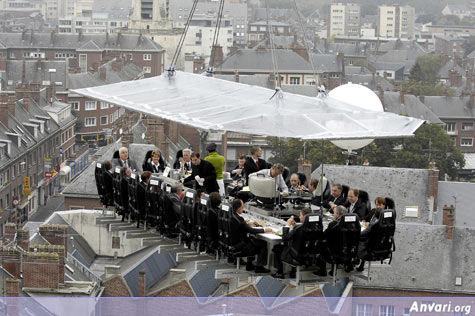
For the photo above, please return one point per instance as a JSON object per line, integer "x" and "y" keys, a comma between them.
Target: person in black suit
{"x": 380, "y": 203}
{"x": 336, "y": 198}
{"x": 124, "y": 191}
{"x": 155, "y": 164}
{"x": 354, "y": 205}
{"x": 141, "y": 199}
{"x": 203, "y": 174}
{"x": 364, "y": 237}
{"x": 178, "y": 159}
{"x": 254, "y": 162}
{"x": 172, "y": 209}
{"x": 295, "y": 234}
{"x": 338, "y": 211}
{"x": 212, "y": 221}
{"x": 238, "y": 171}
{"x": 123, "y": 160}
{"x": 244, "y": 245}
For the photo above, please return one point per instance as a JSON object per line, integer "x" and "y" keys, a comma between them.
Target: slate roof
{"x": 126, "y": 42}
{"x": 325, "y": 63}
{"x": 450, "y": 107}
{"x": 128, "y": 72}
{"x": 155, "y": 265}
{"x": 35, "y": 72}
{"x": 347, "y": 49}
{"x": 412, "y": 107}
{"x": 269, "y": 289}
{"x": 368, "y": 81}
{"x": 204, "y": 284}
{"x": 471, "y": 55}
{"x": 85, "y": 183}
{"x": 333, "y": 293}
{"x": 260, "y": 60}
{"x": 450, "y": 65}
{"x": 463, "y": 202}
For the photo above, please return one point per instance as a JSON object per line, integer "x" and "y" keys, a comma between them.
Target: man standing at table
{"x": 254, "y": 162}
{"x": 275, "y": 172}
{"x": 203, "y": 173}
{"x": 218, "y": 162}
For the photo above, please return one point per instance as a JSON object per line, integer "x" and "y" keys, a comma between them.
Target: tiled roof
{"x": 204, "y": 284}
{"x": 269, "y": 288}
{"x": 450, "y": 107}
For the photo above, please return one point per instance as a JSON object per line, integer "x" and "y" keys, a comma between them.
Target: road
{"x": 55, "y": 203}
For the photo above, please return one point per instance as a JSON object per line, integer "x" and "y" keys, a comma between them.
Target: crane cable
{"x": 216, "y": 37}
{"x": 182, "y": 38}
{"x": 316, "y": 77}
{"x": 272, "y": 49}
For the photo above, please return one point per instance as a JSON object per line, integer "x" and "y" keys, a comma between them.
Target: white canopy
{"x": 213, "y": 104}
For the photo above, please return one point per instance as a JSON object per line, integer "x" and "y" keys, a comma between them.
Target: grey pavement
{"x": 55, "y": 203}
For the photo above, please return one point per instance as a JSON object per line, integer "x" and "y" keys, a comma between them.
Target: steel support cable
{"x": 272, "y": 49}
{"x": 183, "y": 36}
{"x": 299, "y": 17}
{"x": 216, "y": 35}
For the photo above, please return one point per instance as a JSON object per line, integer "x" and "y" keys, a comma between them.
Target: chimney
{"x": 41, "y": 270}
{"x": 198, "y": 65}
{"x": 433, "y": 184}
{"x": 26, "y": 103}
{"x": 23, "y": 73}
{"x": 468, "y": 83}
{"x": 111, "y": 270}
{"x": 142, "y": 284}
{"x": 236, "y": 75}
{"x": 31, "y": 36}
{"x": 301, "y": 51}
{"x": 340, "y": 57}
{"x": 12, "y": 289}
{"x": 23, "y": 35}
{"x": 9, "y": 232}
{"x": 10, "y": 260}
{"x": 401, "y": 96}
{"x": 11, "y": 106}
{"x": 80, "y": 36}
{"x": 23, "y": 239}
{"x": 448, "y": 219}
{"x": 107, "y": 38}
{"x": 422, "y": 97}
{"x": 59, "y": 250}
{"x": 116, "y": 65}
{"x": 117, "y": 43}
{"x": 217, "y": 54}
{"x": 103, "y": 73}
{"x": 50, "y": 92}
{"x": 472, "y": 100}
{"x": 51, "y": 38}
{"x": 55, "y": 234}
{"x": 4, "y": 114}
{"x": 381, "y": 94}
{"x": 305, "y": 167}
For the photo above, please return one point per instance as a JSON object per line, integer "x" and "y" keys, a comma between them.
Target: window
{"x": 467, "y": 126}
{"x": 104, "y": 120}
{"x": 90, "y": 121}
{"x": 294, "y": 80}
{"x": 91, "y": 105}
{"x": 104, "y": 105}
{"x": 386, "y": 310}
{"x": 147, "y": 69}
{"x": 466, "y": 142}
{"x": 450, "y": 127}
{"x": 147, "y": 56}
{"x": 75, "y": 105}
{"x": 111, "y": 118}
{"x": 364, "y": 309}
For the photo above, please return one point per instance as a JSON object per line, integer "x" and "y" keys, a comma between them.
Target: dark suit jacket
{"x": 251, "y": 167}
{"x": 141, "y": 199}
{"x": 340, "y": 200}
{"x": 172, "y": 210}
{"x": 205, "y": 170}
{"x": 239, "y": 230}
{"x": 150, "y": 167}
{"x": 117, "y": 162}
{"x": 328, "y": 232}
{"x": 360, "y": 208}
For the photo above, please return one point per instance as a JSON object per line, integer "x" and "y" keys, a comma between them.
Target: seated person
{"x": 355, "y": 205}
{"x": 254, "y": 162}
{"x": 124, "y": 191}
{"x": 204, "y": 174}
{"x": 141, "y": 199}
{"x": 364, "y": 237}
{"x": 238, "y": 171}
{"x": 316, "y": 200}
{"x": 295, "y": 183}
{"x": 335, "y": 199}
{"x": 338, "y": 211}
{"x": 123, "y": 160}
{"x": 212, "y": 225}
{"x": 380, "y": 203}
{"x": 155, "y": 164}
{"x": 275, "y": 172}
{"x": 244, "y": 245}
{"x": 172, "y": 214}
{"x": 282, "y": 251}
{"x": 178, "y": 159}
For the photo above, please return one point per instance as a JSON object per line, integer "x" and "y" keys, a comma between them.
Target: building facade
{"x": 344, "y": 19}
{"x": 396, "y": 21}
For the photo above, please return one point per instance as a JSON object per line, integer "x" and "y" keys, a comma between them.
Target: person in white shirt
{"x": 276, "y": 173}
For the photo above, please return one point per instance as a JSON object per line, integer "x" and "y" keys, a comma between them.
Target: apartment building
{"x": 344, "y": 19}
{"x": 396, "y": 21}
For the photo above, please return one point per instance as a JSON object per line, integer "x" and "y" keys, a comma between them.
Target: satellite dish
{"x": 359, "y": 96}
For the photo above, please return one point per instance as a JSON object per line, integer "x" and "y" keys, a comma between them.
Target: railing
{"x": 85, "y": 270}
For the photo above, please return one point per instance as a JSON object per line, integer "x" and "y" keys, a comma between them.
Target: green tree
{"x": 426, "y": 69}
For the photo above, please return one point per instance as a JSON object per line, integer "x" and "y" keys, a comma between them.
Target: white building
{"x": 344, "y": 19}
{"x": 149, "y": 14}
{"x": 396, "y": 21}
{"x": 459, "y": 10}
{"x": 96, "y": 23}
{"x": 55, "y": 9}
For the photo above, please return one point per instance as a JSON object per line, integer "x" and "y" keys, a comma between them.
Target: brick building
{"x": 87, "y": 52}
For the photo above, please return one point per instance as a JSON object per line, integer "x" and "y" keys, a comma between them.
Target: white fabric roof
{"x": 213, "y": 104}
